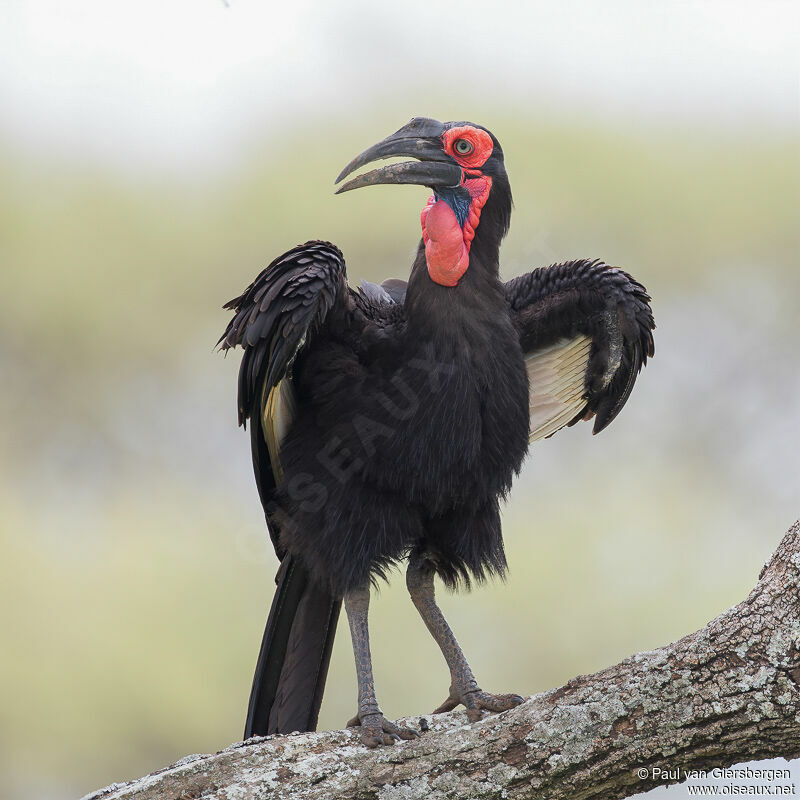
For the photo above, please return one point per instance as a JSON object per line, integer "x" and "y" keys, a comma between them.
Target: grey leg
{"x": 463, "y": 686}
{"x": 375, "y": 728}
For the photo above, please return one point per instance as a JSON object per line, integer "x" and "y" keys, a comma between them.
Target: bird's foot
{"x": 476, "y": 701}
{"x": 377, "y": 730}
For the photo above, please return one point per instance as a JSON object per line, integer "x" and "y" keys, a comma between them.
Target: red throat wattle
{"x": 447, "y": 244}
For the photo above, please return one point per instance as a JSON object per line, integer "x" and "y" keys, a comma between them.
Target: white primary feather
{"x": 557, "y": 380}
{"x": 279, "y": 412}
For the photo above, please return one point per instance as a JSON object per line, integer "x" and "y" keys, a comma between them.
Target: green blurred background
{"x": 153, "y": 159}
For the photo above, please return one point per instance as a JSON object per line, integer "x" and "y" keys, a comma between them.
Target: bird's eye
{"x": 463, "y": 147}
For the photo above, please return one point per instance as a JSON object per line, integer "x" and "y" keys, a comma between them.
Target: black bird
{"x": 388, "y": 422}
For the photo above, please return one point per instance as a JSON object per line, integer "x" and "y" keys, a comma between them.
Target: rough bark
{"x": 725, "y": 694}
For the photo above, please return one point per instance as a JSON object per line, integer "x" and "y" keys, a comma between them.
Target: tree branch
{"x": 725, "y": 694}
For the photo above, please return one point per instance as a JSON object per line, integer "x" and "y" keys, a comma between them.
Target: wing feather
{"x": 279, "y": 410}
{"x": 586, "y": 332}
{"x": 274, "y": 318}
{"x": 557, "y": 380}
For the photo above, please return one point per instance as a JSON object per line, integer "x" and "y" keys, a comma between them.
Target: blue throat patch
{"x": 458, "y": 198}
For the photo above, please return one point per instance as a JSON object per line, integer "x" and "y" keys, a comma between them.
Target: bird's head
{"x": 470, "y": 207}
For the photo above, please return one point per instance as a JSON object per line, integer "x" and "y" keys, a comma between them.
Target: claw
{"x": 377, "y": 730}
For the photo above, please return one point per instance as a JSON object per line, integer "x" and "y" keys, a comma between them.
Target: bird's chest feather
{"x": 442, "y": 420}
{"x": 470, "y": 432}
{"x": 448, "y": 420}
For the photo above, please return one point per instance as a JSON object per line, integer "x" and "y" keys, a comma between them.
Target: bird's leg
{"x": 463, "y": 686}
{"x": 375, "y": 728}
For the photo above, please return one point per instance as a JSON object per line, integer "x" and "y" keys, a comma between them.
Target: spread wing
{"x": 274, "y": 318}
{"x": 586, "y": 330}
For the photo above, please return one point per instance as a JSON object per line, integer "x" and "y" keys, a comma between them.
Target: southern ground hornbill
{"x": 388, "y": 422}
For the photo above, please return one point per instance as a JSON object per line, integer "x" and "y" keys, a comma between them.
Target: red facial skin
{"x": 447, "y": 244}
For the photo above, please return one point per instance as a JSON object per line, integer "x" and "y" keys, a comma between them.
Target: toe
{"x": 369, "y": 739}
{"x": 479, "y": 701}
{"x": 498, "y": 702}
{"x": 448, "y": 705}
{"x": 376, "y": 730}
{"x": 474, "y": 714}
{"x": 404, "y": 733}
{"x": 474, "y": 704}
{"x": 399, "y": 731}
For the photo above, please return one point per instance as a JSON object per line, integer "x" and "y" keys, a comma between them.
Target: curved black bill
{"x": 419, "y": 139}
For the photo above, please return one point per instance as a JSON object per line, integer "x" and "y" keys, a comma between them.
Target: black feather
{"x": 582, "y": 297}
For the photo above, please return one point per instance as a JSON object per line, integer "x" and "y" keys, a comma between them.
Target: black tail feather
{"x": 295, "y": 654}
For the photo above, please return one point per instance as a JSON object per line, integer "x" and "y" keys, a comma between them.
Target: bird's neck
{"x": 462, "y": 227}
{"x": 449, "y": 224}
{"x": 455, "y": 317}
{"x": 463, "y": 309}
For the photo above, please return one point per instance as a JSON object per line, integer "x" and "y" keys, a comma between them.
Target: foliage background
{"x": 153, "y": 158}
